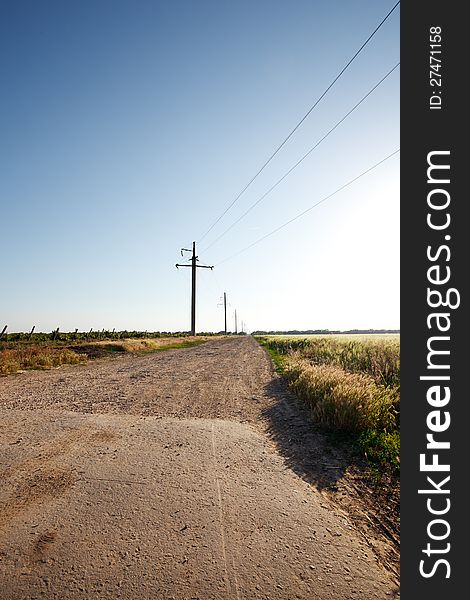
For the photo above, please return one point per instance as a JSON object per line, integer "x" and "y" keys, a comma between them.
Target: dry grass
{"x": 349, "y": 385}
{"x": 17, "y": 357}
{"x": 13, "y": 360}
{"x": 378, "y": 356}
{"x": 337, "y": 398}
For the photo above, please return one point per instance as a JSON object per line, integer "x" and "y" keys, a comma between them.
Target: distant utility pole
{"x": 193, "y": 266}
{"x": 236, "y": 322}
{"x": 225, "y": 313}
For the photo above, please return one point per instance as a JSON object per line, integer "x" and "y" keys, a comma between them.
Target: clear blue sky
{"x": 128, "y": 126}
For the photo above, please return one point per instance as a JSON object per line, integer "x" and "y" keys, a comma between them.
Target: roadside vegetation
{"x": 13, "y": 359}
{"x": 350, "y": 386}
{"x": 21, "y": 351}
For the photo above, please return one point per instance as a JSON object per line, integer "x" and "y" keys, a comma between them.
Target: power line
{"x": 309, "y": 209}
{"x": 303, "y": 157}
{"x": 301, "y": 120}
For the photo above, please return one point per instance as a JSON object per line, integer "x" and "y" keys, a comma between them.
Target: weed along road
{"x": 181, "y": 474}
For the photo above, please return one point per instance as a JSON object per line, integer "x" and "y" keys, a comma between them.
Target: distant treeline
{"x": 326, "y": 332}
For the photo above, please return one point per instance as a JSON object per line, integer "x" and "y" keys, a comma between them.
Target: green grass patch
{"x": 381, "y": 448}
{"x": 113, "y": 348}
{"x": 188, "y": 344}
{"x": 143, "y": 348}
{"x": 279, "y": 360}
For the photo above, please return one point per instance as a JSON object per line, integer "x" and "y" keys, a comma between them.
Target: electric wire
{"x": 301, "y": 121}
{"x": 250, "y": 208}
{"x": 310, "y": 208}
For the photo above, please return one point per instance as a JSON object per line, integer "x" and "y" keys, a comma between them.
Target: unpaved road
{"x": 185, "y": 474}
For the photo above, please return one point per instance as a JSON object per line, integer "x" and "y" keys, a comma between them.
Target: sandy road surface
{"x": 172, "y": 475}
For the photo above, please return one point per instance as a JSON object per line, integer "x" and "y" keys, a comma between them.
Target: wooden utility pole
{"x": 194, "y": 266}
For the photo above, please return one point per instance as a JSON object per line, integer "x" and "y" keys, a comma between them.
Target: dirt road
{"x": 185, "y": 474}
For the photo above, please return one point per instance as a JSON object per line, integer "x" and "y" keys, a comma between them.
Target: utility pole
{"x": 193, "y": 266}
{"x": 225, "y": 313}
{"x": 236, "y": 322}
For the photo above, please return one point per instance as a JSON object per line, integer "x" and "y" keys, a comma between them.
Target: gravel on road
{"x": 184, "y": 474}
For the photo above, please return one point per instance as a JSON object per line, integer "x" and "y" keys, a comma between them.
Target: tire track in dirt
{"x": 230, "y": 585}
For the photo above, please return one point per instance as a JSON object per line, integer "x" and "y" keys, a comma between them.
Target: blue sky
{"x": 127, "y": 127}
